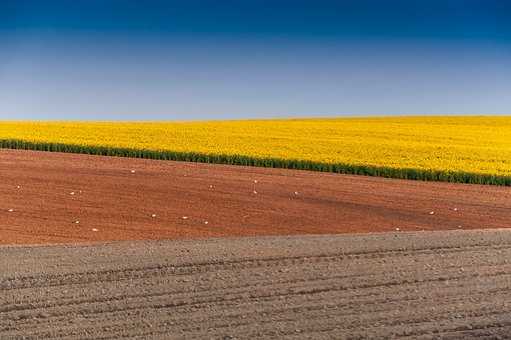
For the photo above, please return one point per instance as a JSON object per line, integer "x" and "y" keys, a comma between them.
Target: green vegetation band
{"x": 367, "y": 170}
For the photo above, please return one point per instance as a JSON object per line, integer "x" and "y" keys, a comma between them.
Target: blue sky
{"x": 246, "y": 59}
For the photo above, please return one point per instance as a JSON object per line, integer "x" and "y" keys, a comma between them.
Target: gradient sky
{"x": 101, "y": 59}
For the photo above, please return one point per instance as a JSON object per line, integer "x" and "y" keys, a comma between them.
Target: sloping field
{"x": 64, "y": 198}
{"x": 426, "y": 285}
{"x": 456, "y": 149}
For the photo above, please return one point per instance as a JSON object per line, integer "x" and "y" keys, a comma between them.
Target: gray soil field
{"x": 421, "y": 285}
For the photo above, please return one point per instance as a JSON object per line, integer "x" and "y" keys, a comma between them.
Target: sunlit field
{"x": 457, "y": 149}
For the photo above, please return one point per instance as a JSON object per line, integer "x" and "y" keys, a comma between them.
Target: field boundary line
{"x": 243, "y": 160}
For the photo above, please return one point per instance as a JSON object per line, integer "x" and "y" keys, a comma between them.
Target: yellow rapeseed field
{"x": 454, "y": 145}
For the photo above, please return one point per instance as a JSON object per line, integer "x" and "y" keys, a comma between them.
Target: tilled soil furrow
{"x": 32, "y": 305}
{"x": 144, "y": 273}
{"x": 334, "y": 287}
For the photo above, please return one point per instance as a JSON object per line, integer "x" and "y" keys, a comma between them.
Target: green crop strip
{"x": 389, "y": 172}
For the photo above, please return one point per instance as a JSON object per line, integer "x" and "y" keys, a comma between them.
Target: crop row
{"x": 244, "y": 160}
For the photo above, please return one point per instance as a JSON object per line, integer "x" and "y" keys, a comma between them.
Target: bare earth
{"x": 421, "y": 285}
{"x": 66, "y": 198}
{"x": 407, "y": 283}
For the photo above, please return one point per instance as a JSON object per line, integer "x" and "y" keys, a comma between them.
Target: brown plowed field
{"x": 422, "y": 285}
{"x": 65, "y": 198}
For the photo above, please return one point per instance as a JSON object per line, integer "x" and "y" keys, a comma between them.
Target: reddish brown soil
{"x": 113, "y": 203}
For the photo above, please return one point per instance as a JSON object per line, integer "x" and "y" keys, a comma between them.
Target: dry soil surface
{"x": 67, "y": 198}
{"x": 420, "y": 285}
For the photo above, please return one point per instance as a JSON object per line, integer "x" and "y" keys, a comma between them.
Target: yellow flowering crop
{"x": 453, "y": 145}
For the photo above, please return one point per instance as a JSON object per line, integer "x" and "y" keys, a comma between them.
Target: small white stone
{"x": 72, "y": 193}
{"x": 296, "y": 192}
{"x": 397, "y": 229}
{"x": 255, "y": 181}
{"x": 10, "y": 210}
{"x": 132, "y": 171}
{"x": 459, "y": 227}
{"x": 185, "y": 217}
{"x": 94, "y": 229}
{"x": 255, "y": 192}
{"x": 431, "y": 212}
{"x": 77, "y": 222}
{"x": 206, "y": 222}
{"x": 455, "y": 209}
{"x": 18, "y": 187}
{"x": 153, "y": 215}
